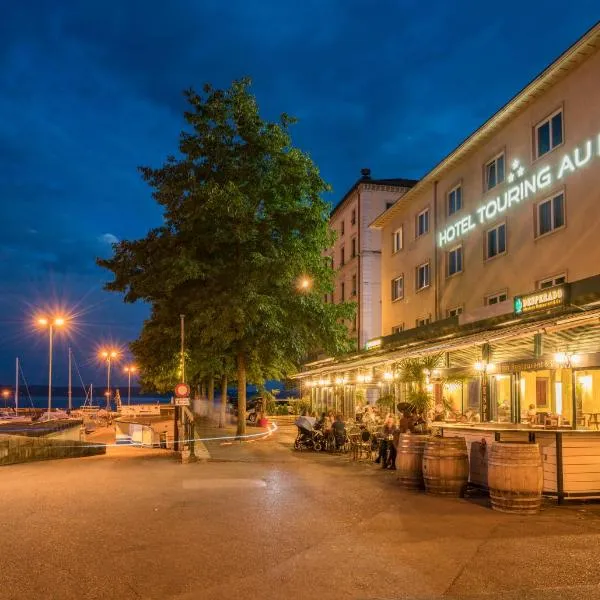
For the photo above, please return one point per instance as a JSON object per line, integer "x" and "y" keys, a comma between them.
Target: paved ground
{"x": 262, "y": 521}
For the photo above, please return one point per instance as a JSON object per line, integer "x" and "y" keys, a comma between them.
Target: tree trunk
{"x": 223, "y": 411}
{"x": 241, "y": 389}
{"x": 211, "y": 395}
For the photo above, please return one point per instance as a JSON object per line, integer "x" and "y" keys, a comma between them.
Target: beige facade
{"x": 356, "y": 254}
{"x": 513, "y": 209}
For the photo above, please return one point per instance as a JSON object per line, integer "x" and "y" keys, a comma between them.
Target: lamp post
{"x": 108, "y": 355}
{"x": 129, "y": 370}
{"x": 51, "y": 323}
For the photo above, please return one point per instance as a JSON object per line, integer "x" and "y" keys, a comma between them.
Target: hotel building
{"x": 491, "y": 263}
{"x": 356, "y": 254}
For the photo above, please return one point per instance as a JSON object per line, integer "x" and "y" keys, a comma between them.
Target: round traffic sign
{"x": 182, "y": 390}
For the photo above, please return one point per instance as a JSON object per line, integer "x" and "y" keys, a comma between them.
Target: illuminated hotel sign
{"x": 541, "y": 300}
{"x": 371, "y": 344}
{"x": 521, "y": 188}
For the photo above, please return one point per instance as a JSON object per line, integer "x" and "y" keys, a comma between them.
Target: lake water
{"x": 62, "y": 401}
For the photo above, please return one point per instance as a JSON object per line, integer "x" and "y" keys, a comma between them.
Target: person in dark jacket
{"x": 386, "y": 442}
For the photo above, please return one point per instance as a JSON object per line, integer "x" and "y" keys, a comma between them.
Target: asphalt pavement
{"x": 259, "y": 520}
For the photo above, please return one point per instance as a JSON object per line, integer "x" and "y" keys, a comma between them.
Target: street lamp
{"x": 129, "y": 370}
{"x": 50, "y": 323}
{"x": 305, "y": 283}
{"x": 108, "y": 355}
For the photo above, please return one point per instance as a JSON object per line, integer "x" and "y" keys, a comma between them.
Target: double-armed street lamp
{"x": 51, "y": 323}
{"x": 108, "y": 355}
{"x": 129, "y": 370}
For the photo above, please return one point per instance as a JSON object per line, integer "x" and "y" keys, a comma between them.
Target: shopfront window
{"x": 545, "y": 397}
{"x": 500, "y": 392}
{"x": 587, "y": 394}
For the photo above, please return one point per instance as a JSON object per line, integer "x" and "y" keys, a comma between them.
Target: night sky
{"x": 90, "y": 90}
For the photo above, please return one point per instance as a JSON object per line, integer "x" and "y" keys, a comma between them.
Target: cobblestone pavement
{"x": 259, "y": 520}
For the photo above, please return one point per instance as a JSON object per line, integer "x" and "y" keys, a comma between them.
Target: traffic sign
{"x": 182, "y": 390}
{"x": 182, "y": 401}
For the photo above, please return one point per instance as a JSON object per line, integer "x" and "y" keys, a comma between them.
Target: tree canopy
{"x": 244, "y": 221}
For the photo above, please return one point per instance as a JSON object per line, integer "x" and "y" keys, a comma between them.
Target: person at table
{"x": 532, "y": 414}
{"x": 406, "y": 423}
{"x": 339, "y": 431}
{"x": 368, "y": 417}
{"x": 387, "y": 434}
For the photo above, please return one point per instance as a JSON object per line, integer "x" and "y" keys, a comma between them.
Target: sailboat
{"x": 11, "y": 415}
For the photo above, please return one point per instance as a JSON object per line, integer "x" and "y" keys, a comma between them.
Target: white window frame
{"x": 418, "y": 234}
{"x": 422, "y": 321}
{"x": 398, "y": 239}
{"x": 486, "y": 243}
{"x": 428, "y": 265}
{"x": 552, "y": 281}
{"x": 449, "y": 194}
{"x": 550, "y": 199}
{"x": 398, "y": 328}
{"x": 496, "y": 295}
{"x": 401, "y": 297}
{"x": 548, "y": 119}
{"x": 462, "y": 261}
{"x": 494, "y": 161}
{"x": 457, "y": 310}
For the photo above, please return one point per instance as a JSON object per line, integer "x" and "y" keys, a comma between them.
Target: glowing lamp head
{"x": 479, "y": 366}
{"x": 42, "y": 321}
{"x": 388, "y": 376}
{"x": 59, "y": 321}
{"x": 5, "y": 393}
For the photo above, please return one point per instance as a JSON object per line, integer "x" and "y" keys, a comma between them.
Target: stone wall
{"x": 19, "y": 448}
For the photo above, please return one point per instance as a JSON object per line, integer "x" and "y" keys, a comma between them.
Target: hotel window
{"x": 397, "y": 240}
{"x": 389, "y": 205}
{"x": 454, "y": 200}
{"x": 494, "y": 172}
{"x": 397, "y": 329}
{"x": 354, "y": 285}
{"x": 552, "y": 281}
{"x": 398, "y": 288}
{"x": 342, "y": 227}
{"x": 423, "y": 276}
{"x": 454, "y": 312}
{"x": 550, "y": 214}
{"x": 454, "y": 261}
{"x": 496, "y": 298}
{"x": 549, "y": 134}
{"x": 423, "y": 321}
{"x": 342, "y": 257}
{"x": 422, "y": 225}
{"x": 353, "y": 217}
{"x": 353, "y": 247}
{"x": 495, "y": 241}
{"x": 342, "y": 291}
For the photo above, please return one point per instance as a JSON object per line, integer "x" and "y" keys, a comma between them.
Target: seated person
{"x": 532, "y": 414}
{"x": 339, "y": 431}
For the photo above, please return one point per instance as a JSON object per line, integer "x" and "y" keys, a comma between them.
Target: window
{"x": 353, "y": 247}
{"x": 389, "y": 205}
{"x": 422, "y": 225}
{"x": 454, "y": 312}
{"x": 342, "y": 227}
{"x": 354, "y": 320}
{"x": 398, "y": 288}
{"x": 397, "y": 240}
{"x": 494, "y": 172}
{"x": 342, "y": 257}
{"x": 551, "y": 214}
{"x": 552, "y": 281}
{"x": 353, "y": 218}
{"x": 454, "y": 261}
{"x": 342, "y": 291}
{"x": 423, "y": 321}
{"x": 397, "y": 328}
{"x": 496, "y": 298}
{"x": 354, "y": 285}
{"x": 454, "y": 200}
{"x": 423, "y": 276}
{"x": 325, "y": 299}
{"x": 549, "y": 134}
{"x": 495, "y": 241}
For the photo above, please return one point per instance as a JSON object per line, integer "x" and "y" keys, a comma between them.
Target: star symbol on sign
{"x": 511, "y": 177}
{"x": 520, "y": 171}
{"x": 515, "y": 164}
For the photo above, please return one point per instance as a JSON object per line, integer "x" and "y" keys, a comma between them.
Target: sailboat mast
{"x": 70, "y": 390}
{"x": 17, "y": 386}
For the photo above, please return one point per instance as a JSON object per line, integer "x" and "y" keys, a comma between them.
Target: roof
{"x": 582, "y": 49}
{"x": 398, "y": 182}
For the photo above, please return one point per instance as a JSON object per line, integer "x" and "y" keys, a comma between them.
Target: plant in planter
{"x": 386, "y": 403}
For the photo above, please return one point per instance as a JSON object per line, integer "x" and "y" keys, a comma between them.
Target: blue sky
{"x": 90, "y": 90}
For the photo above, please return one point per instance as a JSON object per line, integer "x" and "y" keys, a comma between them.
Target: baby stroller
{"x": 308, "y": 436}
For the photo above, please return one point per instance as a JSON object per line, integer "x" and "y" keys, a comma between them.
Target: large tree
{"x": 244, "y": 222}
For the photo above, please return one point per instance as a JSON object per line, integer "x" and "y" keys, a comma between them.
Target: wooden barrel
{"x": 409, "y": 460}
{"x": 445, "y": 466}
{"x": 515, "y": 477}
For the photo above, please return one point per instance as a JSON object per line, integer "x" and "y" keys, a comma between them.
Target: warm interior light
{"x": 491, "y": 367}
{"x": 479, "y": 366}
{"x": 388, "y": 375}
{"x": 586, "y": 382}
{"x": 558, "y": 396}
{"x": 561, "y": 358}
{"x": 575, "y": 358}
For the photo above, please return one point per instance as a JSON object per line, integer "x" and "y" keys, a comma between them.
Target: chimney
{"x": 366, "y": 173}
